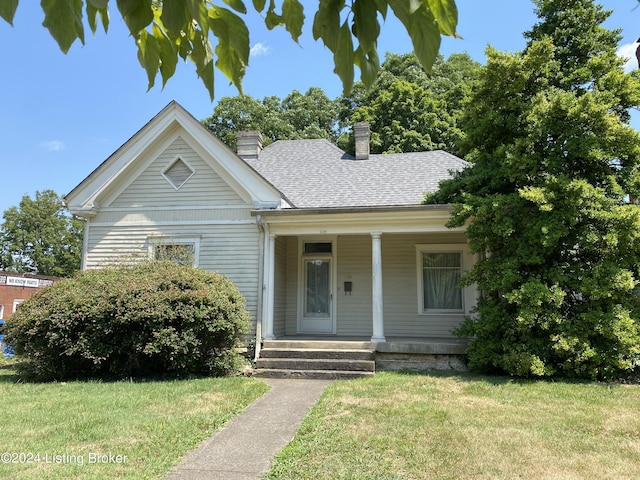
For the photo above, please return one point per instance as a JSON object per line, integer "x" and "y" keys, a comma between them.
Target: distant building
{"x": 15, "y": 288}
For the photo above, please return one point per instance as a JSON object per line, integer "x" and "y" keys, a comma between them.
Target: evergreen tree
{"x": 547, "y": 202}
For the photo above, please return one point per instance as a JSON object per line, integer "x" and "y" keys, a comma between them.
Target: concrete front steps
{"x": 315, "y": 359}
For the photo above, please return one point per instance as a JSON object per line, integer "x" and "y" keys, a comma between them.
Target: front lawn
{"x": 96, "y": 430}
{"x": 463, "y": 426}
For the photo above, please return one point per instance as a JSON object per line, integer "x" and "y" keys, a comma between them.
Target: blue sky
{"x": 62, "y": 115}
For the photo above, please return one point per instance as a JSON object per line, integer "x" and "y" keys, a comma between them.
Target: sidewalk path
{"x": 244, "y": 448}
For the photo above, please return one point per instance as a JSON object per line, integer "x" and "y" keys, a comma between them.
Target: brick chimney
{"x": 362, "y": 136}
{"x": 249, "y": 143}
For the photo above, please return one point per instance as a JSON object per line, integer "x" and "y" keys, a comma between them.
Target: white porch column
{"x": 378, "y": 316}
{"x": 270, "y": 262}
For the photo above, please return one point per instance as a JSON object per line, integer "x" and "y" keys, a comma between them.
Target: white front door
{"x": 317, "y": 284}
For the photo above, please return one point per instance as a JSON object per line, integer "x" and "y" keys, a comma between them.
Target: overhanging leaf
{"x": 93, "y": 12}
{"x": 202, "y": 56}
{"x": 293, "y": 18}
{"x": 446, "y": 15}
{"x": 199, "y": 12}
{"x": 148, "y": 55}
{"x": 272, "y": 19}
{"x": 167, "y": 53}
{"x": 63, "y": 19}
{"x": 369, "y": 65}
{"x": 233, "y": 43}
{"x": 326, "y": 23}
{"x": 259, "y": 5}
{"x": 343, "y": 58}
{"x": 366, "y": 26}
{"x": 175, "y": 16}
{"x": 422, "y": 28}
{"x": 237, "y": 5}
{"x": 137, "y": 14}
{"x": 8, "y": 10}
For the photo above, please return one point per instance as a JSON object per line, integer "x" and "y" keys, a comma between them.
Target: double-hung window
{"x": 440, "y": 270}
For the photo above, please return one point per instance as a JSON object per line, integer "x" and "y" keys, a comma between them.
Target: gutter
{"x": 343, "y": 210}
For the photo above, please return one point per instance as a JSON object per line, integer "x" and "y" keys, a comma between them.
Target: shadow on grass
{"x": 10, "y": 372}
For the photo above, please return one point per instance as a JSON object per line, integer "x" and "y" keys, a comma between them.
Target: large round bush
{"x": 152, "y": 318}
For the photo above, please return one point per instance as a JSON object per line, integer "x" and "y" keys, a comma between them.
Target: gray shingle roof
{"x": 316, "y": 174}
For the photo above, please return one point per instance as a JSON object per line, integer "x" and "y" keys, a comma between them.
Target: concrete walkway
{"x": 244, "y": 448}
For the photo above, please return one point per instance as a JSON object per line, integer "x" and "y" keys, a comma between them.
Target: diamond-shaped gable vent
{"x": 178, "y": 173}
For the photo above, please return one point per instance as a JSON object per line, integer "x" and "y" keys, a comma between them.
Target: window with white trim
{"x": 1, "y": 312}
{"x": 440, "y": 270}
{"x": 182, "y": 250}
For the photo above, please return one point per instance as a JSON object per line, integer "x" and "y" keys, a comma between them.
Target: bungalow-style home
{"x": 325, "y": 246}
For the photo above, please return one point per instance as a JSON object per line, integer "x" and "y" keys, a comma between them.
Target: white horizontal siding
{"x": 400, "y": 288}
{"x": 280, "y": 304}
{"x": 354, "y": 265}
{"x": 291, "y": 319}
{"x": 151, "y": 188}
{"x": 166, "y": 215}
{"x": 232, "y": 250}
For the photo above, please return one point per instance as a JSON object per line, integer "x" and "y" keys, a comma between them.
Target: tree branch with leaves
{"x": 165, "y": 31}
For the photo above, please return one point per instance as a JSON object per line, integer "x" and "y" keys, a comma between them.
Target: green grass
{"x": 149, "y": 424}
{"x": 459, "y": 426}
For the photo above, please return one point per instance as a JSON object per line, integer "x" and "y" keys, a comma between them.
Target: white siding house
{"x": 321, "y": 243}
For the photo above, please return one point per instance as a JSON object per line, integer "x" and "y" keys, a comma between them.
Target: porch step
{"x": 343, "y": 364}
{"x": 315, "y": 359}
{"x": 320, "y": 344}
{"x": 312, "y": 374}
{"x": 315, "y": 353}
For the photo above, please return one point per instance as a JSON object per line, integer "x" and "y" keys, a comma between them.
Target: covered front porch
{"x": 358, "y": 275}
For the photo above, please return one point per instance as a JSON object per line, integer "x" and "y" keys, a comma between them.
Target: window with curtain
{"x": 441, "y": 274}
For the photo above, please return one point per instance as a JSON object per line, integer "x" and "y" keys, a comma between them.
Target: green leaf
{"x": 63, "y": 19}
{"x": 137, "y": 14}
{"x": 202, "y": 56}
{"x": 199, "y": 12}
{"x": 259, "y": 5}
{"x": 293, "y": 18}
{"x": 326, "y": 23}
{"x": 98, "y": 4}
{"x": 369, "y": 65}
{"x": 366, "y": 26}
{"x": 272, "y": 19}
{"x": 233, "y": 43}
{"x": 422, "y": 28}
{"x": 93, "y": 11}
{"x": 382, "y": 6}
{"x": 167, "y": 53}
{"x": 8, "y": 10}
{"x": 237, "y": 5}
{"x": 446, "y": 14}
{"x": 343, "y": 58}
{"x": 174, "y": 17}
{"x": 148, "y": 55}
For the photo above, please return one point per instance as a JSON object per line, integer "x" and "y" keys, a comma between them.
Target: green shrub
{"x": 152, "y": 318}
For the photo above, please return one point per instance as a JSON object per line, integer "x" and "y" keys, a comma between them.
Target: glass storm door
{"x": 317, "y": 297}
